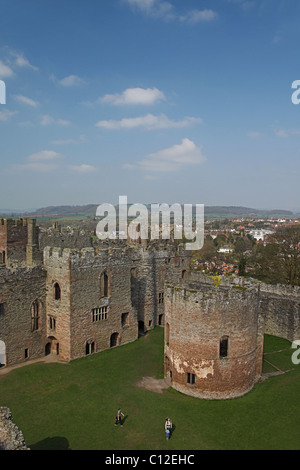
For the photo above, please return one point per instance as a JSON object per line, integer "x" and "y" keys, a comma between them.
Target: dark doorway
{"x": 114, "y": 340}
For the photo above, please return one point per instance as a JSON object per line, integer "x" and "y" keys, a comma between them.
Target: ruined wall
{"x": 23, "y": 337}
{"x": 280, "y": 306}
{"x": 159, "y": 263}
{"x": 102, "y": 317}
{"x": 88, "y": 320}
{"x": 13, "y": 240}
{"x": 11, "y": 438}
{"x": 64, "y": 237}
{"x": 19, "y": 244}
{"x": 198, "y": 317}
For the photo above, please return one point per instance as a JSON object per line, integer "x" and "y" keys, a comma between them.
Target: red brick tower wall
{"x": 196, "y": 320}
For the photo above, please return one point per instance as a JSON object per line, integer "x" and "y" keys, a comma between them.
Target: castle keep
{"x": 65, "y": 294}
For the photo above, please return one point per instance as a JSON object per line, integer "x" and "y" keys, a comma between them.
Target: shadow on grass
{"x": 124, "y": 419}
{"x": 51, "y": 443}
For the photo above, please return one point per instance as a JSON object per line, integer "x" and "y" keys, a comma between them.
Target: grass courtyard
{"x": 73, "y": 406}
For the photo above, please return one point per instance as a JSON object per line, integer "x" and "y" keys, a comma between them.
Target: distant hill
{"x": 236, "y": 211}
{"x": 209, "y": 212}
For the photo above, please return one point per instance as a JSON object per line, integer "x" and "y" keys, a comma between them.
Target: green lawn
{"x": 73, "y": 406}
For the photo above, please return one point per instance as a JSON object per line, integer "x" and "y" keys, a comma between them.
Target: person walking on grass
{"x": 118, "y": 417}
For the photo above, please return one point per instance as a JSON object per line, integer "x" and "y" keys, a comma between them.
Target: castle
{"x": 65, "y": 294}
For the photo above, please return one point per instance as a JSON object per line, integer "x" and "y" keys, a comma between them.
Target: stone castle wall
{"x": 20, "y": 289}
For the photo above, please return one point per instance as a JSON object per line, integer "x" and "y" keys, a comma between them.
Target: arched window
{"x": 56, "y": 291}
{"x": 224, "y": 346}
{"x": 104, "y": 285}
{"x": 89, "y": 347}
{"x": 35, "y": 315}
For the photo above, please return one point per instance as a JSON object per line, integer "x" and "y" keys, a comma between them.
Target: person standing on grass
{"x": 118, "y": 417}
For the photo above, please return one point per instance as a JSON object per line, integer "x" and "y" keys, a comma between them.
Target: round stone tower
{"x": 213, "y": 339}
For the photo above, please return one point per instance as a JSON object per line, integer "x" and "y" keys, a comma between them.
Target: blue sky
{"x": 184, "y": 101}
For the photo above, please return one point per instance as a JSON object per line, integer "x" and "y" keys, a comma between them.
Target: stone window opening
{"x": 89, "y": 347}
{"x": 161, "y": 298}
{"x": 2, "y": 309}
{"x": 190, "y": 378}
{"x": 224, "y": 346}
{"x": 104, "y": 285}
{"x": 125, "y": 319}
{"x": 56, "y": 291}
{"x": 35, "y": 315}
{"x": 52, "y": 323}
{"x": 99, "y": 313}
{"x": 2, "y": 257}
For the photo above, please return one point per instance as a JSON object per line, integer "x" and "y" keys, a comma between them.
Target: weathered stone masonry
{"x": 62, "y": 293}
{"x": 78, "y": 301}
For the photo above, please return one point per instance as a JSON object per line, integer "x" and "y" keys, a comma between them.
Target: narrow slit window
{"x": 224, "y": 346}
{"x": 104, "y": 285}
{"x": 57, "y": 291}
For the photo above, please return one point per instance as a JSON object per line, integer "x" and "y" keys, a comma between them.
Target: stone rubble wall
{"x": 11, "y": 438}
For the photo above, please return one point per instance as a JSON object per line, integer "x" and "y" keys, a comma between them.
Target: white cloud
{"x": 21, "y": 61}
{"x": 46, "y": 120}
{"x": 171, "y": 159}
{"x": 43, "y": 161}
{"x": 135, "y": 96}
{"x": 155, "y": 8}
{"x": 69, "y": 141}
{"x": 48, "y": 160}
{"x": 198, "y": 16}
{"x": 63, "y": 122}
{"x": 25, "y": 100}
{"x": 254, "y": 134}
{"x": 5, "y": 70}
{"x": 165, "y": 10}
{"x": 287, "y": 132}
{"x": 64, "y": 141}
{"x": 5, "y": 115}
{"x": 69, "y": 81}
{"x": 44, "y": 155}
{"x": 149, "y": 122}
{"x": 83, "y": 168}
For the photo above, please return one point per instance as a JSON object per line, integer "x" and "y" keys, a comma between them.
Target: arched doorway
{"x": 114, "y": 340}
{"x": 2, "y": 354}
{"x": 52, "y": 347}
